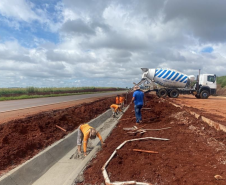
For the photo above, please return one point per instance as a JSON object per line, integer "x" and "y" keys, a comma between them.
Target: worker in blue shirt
{"x": 138, "y": 99}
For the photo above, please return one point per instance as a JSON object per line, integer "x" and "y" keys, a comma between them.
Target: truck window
{"x": 211, "y": 78}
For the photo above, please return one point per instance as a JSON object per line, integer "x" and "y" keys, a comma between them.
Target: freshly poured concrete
{"x": 53, "y": 166}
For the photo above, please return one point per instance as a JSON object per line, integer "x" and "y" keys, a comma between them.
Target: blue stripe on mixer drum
{"x": 162, "y": 73}
{"x": 175, "y": 76}
{"x": 183, "y": 79}
{"x": 166, "y": 74}
{"x": 158, "y": 72}
{"x": 171, "y": 75}
{"x": 179, "y": 78}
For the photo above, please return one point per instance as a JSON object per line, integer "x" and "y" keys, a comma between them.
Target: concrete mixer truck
{"x": 172, "y": 83}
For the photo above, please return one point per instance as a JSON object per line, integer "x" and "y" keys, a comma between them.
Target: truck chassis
{"x": 202, "y": 92}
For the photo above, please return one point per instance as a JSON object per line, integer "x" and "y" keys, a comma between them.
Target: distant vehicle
{"x": 172, "y": 83}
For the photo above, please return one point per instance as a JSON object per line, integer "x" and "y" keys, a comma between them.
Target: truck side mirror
{"x": 215, "y": 77}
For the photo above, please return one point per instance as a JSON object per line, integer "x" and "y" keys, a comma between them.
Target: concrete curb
{"x": 211, "y": 123}
{"x": 73, "y": 177}
{"x": 34, "y": 168}
{"x": 69, "y": 170}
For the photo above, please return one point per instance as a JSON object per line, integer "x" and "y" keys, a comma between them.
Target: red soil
{"x": 194, "y": 154}
{"x": 21, "y": 139}
{"x": 23, "y": 113}
{"x": 213, "y": 108}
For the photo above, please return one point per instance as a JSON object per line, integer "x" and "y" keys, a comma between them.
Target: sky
{"x": 104, "y": 43}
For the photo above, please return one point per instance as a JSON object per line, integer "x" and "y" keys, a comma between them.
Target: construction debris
{"x": 218, "y": 177}
{"x": 104, "y": 171}
{"x": 134, "y": 130}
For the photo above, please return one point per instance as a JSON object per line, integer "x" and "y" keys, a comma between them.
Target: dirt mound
{"x": 194, "y": 154}
{"x": 212, "y": 108}
{"x": 221, "y": 91}
{"x": 21, "y": 139}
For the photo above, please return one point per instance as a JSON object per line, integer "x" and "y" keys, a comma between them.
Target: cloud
{"x": 118, "y": 41}
{"x": 71, "y": 57}
{"x": 91, "y": 7}
{"x": 18, "y": 9}
{"x": 205, "y": 18}
{"x": 11, "y": 50}
{"x": 152, "y": 9}
{"x": 77, "y": 27}
{"x": 105, "y": 43}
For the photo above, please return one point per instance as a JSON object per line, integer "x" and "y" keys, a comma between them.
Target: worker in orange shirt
{"x": 85, "y": 131}
{"x": 121, "y": 101}
{"x": 117, "y": 100}
{"x": 115, "y": 109}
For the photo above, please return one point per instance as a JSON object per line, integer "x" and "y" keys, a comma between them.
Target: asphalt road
{"x": 12, "y": 105}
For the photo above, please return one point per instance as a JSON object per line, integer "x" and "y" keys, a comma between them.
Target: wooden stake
{"x": 128, "y": 128}
{"x": 139, "y": 127}
{"x": 146, "y": 151}
{"x": 127, "y": 119}
{"x": 61, "y": 128}
{"x": 134, "y": 128}
{"x": 159, "y": 129}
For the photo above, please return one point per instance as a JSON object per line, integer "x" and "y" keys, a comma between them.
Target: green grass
{"x": 43, "y": 96}
{"x": 222, "y": 81}
{"x": 50, "y": 90}
{"x": 34, "y": 92}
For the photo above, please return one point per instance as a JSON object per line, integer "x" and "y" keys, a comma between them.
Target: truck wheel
{"x": 162, "y": 93}
{"x": 157, "y": 93}
{"x": 204, "y": 94}
{"x": 197, "y": 96}
{"x": 174, "y": 93}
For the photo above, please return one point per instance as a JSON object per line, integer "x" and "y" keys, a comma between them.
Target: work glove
{"x": 79, "y": 155}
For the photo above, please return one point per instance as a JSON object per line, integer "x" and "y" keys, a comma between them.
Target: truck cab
{"x": 207, "y": 85}
{"x": 208, "y": 80}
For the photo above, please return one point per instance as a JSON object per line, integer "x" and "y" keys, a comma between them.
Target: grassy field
{"x": 43, "y": 96}
{"x": 222, "y": 81}
{"x": 33, "y": 92}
